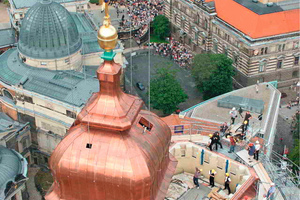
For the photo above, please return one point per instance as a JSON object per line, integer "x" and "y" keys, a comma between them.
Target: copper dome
{"x": 114, "y": 150}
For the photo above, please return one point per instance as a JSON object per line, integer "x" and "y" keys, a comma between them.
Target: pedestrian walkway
{"x": 33, "y": 193}
{"x": 287, "y": 113}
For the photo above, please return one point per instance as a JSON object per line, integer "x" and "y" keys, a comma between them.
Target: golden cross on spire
{"x": 106, "y": 8}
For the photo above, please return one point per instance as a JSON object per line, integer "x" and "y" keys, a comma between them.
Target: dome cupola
{"x": 48, "y": 31}
{"x": 114, "y": 150}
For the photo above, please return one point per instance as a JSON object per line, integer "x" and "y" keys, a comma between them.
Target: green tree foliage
{"x": 5, "y": 2}
{"x": 161, "y": 26}
{"x": 212, "y": 73}
{"x": 94, "y": 1}
{"x": 165, "y": 91}
{"x": 294, "y": 154}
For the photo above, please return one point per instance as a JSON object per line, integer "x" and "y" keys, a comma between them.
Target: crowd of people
{"x": 139, "y": 12}
{"x": 175, "y": 51}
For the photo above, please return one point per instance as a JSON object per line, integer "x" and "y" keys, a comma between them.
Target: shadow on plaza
{"x": 137, "y": 70}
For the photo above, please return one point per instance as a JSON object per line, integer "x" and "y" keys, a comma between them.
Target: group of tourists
{"x": 140, "y": 13}
{"x": 175, "y": 51}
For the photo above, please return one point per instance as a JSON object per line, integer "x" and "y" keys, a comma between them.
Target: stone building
{"x": 49, "y": 77}
{"x": 18, "y": 8}
{"x": 261, "y": 38}
{"x": 14, "y": 135}
{"x": 13, "y": 175}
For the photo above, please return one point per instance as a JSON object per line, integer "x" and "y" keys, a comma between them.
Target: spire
{"x": 107, "y": 36}
{"x": 110, "y": 108}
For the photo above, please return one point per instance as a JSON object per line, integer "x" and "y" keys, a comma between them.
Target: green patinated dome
{"x": 48, "y": 31}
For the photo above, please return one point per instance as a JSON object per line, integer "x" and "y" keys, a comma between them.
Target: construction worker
{"x": 212, "y": 174}
{"x": 210, "y": 142}
{"x": 227, "y": 181}
{"x": 216, "y": 140}
{"x": 257, "y": 148}
{"x": 196, "y": 177}
{"x": 271, "y": 191}
{"x": 251, "y": 150}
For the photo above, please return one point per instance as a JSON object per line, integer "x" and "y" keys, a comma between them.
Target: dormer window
{"x": 145, "y": 124}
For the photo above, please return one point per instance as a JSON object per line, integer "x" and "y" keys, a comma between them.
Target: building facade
{"x": 48, "y": 78}
{"x": 18, "y": 9}
{"x": 13, "y": 175}
{"x": 262, "y": 51}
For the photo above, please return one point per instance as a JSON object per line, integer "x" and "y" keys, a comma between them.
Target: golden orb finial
{"x": 107, "y": 34}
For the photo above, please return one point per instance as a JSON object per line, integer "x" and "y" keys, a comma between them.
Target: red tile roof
{"x": 255, "y": 25}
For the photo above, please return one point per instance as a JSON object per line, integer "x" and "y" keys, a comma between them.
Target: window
{"x": 198, "y": 19}
{"x": 44, "y": 63}
{"x": 281, "y": 47}
{"x": 203, "y": 42}
{"x": 263, "y": 51}
{"x": 279, "y": 64}
{"x": 24, "y": 144}
{"x": 260, "y": 80}
{"x": 71, "y": 114}
{"x": 205, "y": 24}
{"x": 262, "y": 66}
{"x": 225, "y": 50}
{"x": 206, "y": 157}
{"x": 67, "y": 60}
{"x": 216, "y": 47}
{"x": 46, "y": 160}
{"x": 28, "y": 99}
{"x": 195, "y": 152}
{"x": 196, "y": 36}
{"x": 227, "y": 37}
{"x": 296, "y": 61}
{"x": 145, "y": 124}
{"x": 182, "y": 149}
{"x": 235, "y": 58}
{"x": 7, "y": 94}
{"x": 295, "y": 74}
{"x": 296, "y": 45}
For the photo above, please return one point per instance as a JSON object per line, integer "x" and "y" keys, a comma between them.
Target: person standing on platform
{"x": 248, "y": 116}
{"x": 257, "y": 148}
{"x": 223, "y": 128}
{"x": 271, "y": 191}
{"x": 196, "y": 177}
{"x": 233, "y": 115}
{"x": 232, "y": 144}
{"x": 212, "y": 174}
{"x": 241, "y": 111}
{"x": 251, "y": 150}
{"x": 210, "y": 142}
{"x": 216, "y": 140}
{"x": 227, "y": 182}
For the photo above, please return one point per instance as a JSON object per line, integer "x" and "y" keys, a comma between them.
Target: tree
{"x": 165, "y": 91}
{"x": 212, "y": 73}
{"x": 161, "y": 26}
{"x": 294, "y": 155}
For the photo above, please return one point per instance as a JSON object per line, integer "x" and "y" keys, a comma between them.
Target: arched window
{"x": 262, "y": 66}
{"x": 205, "y": 24}
{"x": 295, "y": 74}
{"x": 225, "y": 50}
{"x": 215, "y": 45}
{"x": 7, "y": 94}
